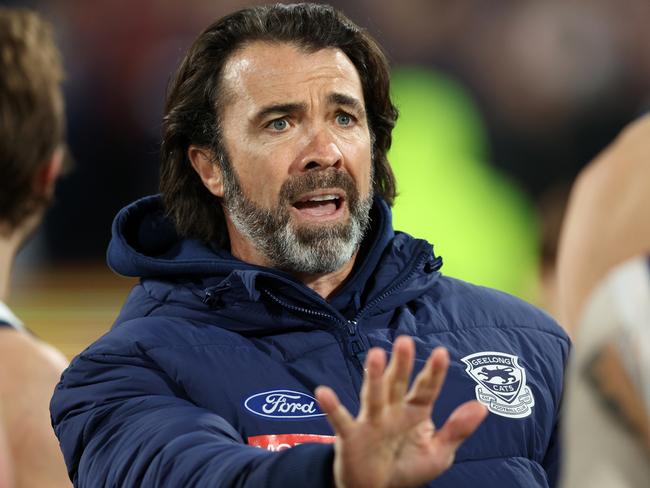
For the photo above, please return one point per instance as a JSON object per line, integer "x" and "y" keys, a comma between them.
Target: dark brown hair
{"x": 193, "y": 101}
{"x": 31, "y": 109}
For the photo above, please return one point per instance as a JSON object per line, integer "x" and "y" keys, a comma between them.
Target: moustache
{"x": 297, "y": 185}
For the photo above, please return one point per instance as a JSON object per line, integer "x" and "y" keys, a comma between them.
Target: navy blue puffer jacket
{"x": 207, "y": 376}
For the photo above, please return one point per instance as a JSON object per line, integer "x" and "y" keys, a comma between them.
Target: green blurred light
{"x": 482, "y": 224}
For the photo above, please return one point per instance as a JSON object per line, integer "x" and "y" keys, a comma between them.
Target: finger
{"x": 399, "y": 370}
{"x": 429, "y": 381}
{"x": 459, "y": 426}
{"x": 373, "y": 393}
{"x": 337, "y": 415}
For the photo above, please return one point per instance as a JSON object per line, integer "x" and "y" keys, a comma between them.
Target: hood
{"x": 145, "y": 244}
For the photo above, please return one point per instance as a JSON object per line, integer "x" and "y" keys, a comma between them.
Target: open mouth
{"x": 321, "y": 205}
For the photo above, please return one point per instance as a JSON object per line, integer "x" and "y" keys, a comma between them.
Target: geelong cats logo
{"x": 283, "y": 404}
{"x": 501, "y": 383}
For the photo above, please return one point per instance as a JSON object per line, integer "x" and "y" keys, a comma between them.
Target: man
{"x": 31, "y": 141}
{"x": 604, "y": 280}
{"x": 270, "y": 267}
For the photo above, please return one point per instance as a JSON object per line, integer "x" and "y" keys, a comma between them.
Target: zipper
{"x": 435, "y": 265}
{"x": 355, "y": 344}
{"x": 358, "y": 348}
{"x": 302, "y": 310}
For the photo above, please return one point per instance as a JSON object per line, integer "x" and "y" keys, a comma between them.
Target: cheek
{"x": 360, "y": 165}
{"x": 260, "y": 177}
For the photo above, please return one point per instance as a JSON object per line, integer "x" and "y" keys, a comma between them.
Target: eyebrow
{"x": 279, "y": 108}
{"x": 346, "y": 101}
{"x": 293, "y": 107}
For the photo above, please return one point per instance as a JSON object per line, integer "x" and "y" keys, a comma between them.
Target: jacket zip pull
{"x": 352, "y": 327}
{"x": 211, "y": 294}
{"x": 357, "y": 351}
{"x": 436, "y": 264}
{"x": 208, "y": 298}
{"x": 433, "y": 264}
{"x": 360, "y": 354}
{"x": 355, "y": 343}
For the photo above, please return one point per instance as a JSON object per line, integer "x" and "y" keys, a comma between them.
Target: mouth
{"x": 321, "y": 205}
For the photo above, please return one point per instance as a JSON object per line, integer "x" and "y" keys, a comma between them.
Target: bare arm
{"x": 607, "y": 218}
{"x": 6, "y": 474}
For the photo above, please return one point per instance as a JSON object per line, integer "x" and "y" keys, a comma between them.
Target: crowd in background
{"x": 550, "y": 84}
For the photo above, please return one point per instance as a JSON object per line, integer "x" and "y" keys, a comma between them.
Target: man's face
{"x": 297, "y": 182}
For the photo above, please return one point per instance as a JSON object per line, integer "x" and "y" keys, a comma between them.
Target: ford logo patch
{"x": 283, "y": 404}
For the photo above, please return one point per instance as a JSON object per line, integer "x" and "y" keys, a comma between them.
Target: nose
{"x": 321, "y": 152}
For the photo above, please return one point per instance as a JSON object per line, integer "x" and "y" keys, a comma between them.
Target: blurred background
{"x": 501, "y": 103}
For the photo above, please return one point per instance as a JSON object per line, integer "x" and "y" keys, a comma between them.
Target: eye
{"x": 278, "y": 125}
{"x": 344, "y": 119}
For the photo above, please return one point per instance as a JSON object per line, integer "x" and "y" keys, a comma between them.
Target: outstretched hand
{"x": 393, "y": 442}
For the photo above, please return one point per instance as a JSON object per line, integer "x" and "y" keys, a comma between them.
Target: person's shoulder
{"x": 29, "y": 368}
{"x": 480, "y": 306}
{"x": 162, "y": 328}
{"x": 27, "y": 361}
{"x": 29, "y": 371}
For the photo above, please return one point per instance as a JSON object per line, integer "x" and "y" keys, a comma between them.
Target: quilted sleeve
{"x": 122, "y": 422}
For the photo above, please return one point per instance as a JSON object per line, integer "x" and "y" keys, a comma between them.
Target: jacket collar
{"x": 145, "y": 244}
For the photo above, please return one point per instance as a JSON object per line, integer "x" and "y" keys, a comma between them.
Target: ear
{"x": 204, "y": 163}
{"x": 48, "y": 173}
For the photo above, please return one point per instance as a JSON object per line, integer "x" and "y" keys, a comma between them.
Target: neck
{"x": 8, "y": 248}
{"x": 325, "y": 284}
{"x": 10, "y": 242}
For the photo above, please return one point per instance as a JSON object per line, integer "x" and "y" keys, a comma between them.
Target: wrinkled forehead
{"x": 262, "y": 72}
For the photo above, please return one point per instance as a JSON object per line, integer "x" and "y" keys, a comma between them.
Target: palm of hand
{"x": 393, "y": 442}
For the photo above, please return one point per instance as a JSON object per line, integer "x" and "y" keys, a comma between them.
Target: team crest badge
{"x": 501, "y": 383}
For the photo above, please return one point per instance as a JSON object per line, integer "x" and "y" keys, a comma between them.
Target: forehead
{"x": 263, "y": 72}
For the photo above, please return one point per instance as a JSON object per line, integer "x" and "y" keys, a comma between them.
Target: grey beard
{"x": 304, "y": 249}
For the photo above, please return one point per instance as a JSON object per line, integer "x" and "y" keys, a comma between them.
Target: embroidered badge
{"x": 501, "y": 383}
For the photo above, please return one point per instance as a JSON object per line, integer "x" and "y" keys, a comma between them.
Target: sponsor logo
{"x": 280, "y": 442}
{"x": 501, "y": 383}
{"x": 283, "y": 404}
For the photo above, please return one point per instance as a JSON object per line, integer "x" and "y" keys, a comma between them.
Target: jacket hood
{"x": 145, "y": 244}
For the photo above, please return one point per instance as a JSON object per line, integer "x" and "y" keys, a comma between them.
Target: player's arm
{"x": 6, "y": 473}
{"x": 606, "y": 221}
